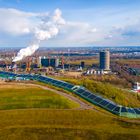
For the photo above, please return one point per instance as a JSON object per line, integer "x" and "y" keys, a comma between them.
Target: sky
{"x": 87, "y": 22}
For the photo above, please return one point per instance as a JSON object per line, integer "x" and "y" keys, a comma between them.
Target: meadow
{"x": 87, "y": 61}
{"x": 31, "y": 113}
{"x": 23, "y": 96}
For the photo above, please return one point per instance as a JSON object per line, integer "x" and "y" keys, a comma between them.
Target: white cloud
{"x": 78, "y": 33}
{"x": 73, "y": 33}
{"x": 15, "y": 22}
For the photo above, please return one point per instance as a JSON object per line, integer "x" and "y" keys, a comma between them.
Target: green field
{"x": 24, "y": 96}
{"x": 129, "y": 61}
{"x": 87, "y": 61}
{"x": 65, "y": 125}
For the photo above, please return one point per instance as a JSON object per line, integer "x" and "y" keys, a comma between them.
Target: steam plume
{"x": 48, "y": 28}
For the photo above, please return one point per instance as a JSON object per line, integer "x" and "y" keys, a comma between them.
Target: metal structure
{"x": 28, "y": 65}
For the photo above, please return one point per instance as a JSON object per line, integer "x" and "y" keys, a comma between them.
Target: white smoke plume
{"x": 48, "y": 28}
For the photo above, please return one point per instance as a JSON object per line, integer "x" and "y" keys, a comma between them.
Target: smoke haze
{"x": 48, "y": 28}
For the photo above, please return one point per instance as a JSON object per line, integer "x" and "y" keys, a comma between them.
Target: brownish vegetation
{"x": 65, "y": 125}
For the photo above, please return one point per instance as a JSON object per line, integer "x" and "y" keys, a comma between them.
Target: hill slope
{"x": 64, "y": 125}
{"x": 22, "y": 96}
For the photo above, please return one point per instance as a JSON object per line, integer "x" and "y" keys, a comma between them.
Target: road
{"x": 82, "y": 104}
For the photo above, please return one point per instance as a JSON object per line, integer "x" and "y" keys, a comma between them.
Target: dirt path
{"x": 82, "y": 104}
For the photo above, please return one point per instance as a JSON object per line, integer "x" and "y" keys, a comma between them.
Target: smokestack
{"x": 14, "y": 67}
{"x": 28, "y": 65}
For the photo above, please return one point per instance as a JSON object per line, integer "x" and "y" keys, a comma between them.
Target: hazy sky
{"x": 88, "y": 22}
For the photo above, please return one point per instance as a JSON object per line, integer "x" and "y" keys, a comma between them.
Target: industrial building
{"x": 82, "y": 64}
{"x": 47, "y": 62}
{"x": 136, "y": 87}
{"x": 54, "y": 62}
{"x": 104, "y": 60}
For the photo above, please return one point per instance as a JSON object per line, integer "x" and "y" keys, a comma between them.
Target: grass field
{"x": 24, "y": 96}
{"x": 87, "y": 61}
{"x": 129, "y": 61}
{"x": 96, "y": 61}
{"x": 65, "y": 125}
{"x": 31, "y": 113}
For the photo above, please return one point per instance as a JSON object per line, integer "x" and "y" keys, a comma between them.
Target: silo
{"x": 105, "y": 60}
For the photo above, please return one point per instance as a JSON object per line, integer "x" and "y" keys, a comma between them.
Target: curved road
{"x": 82, "y": 104}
